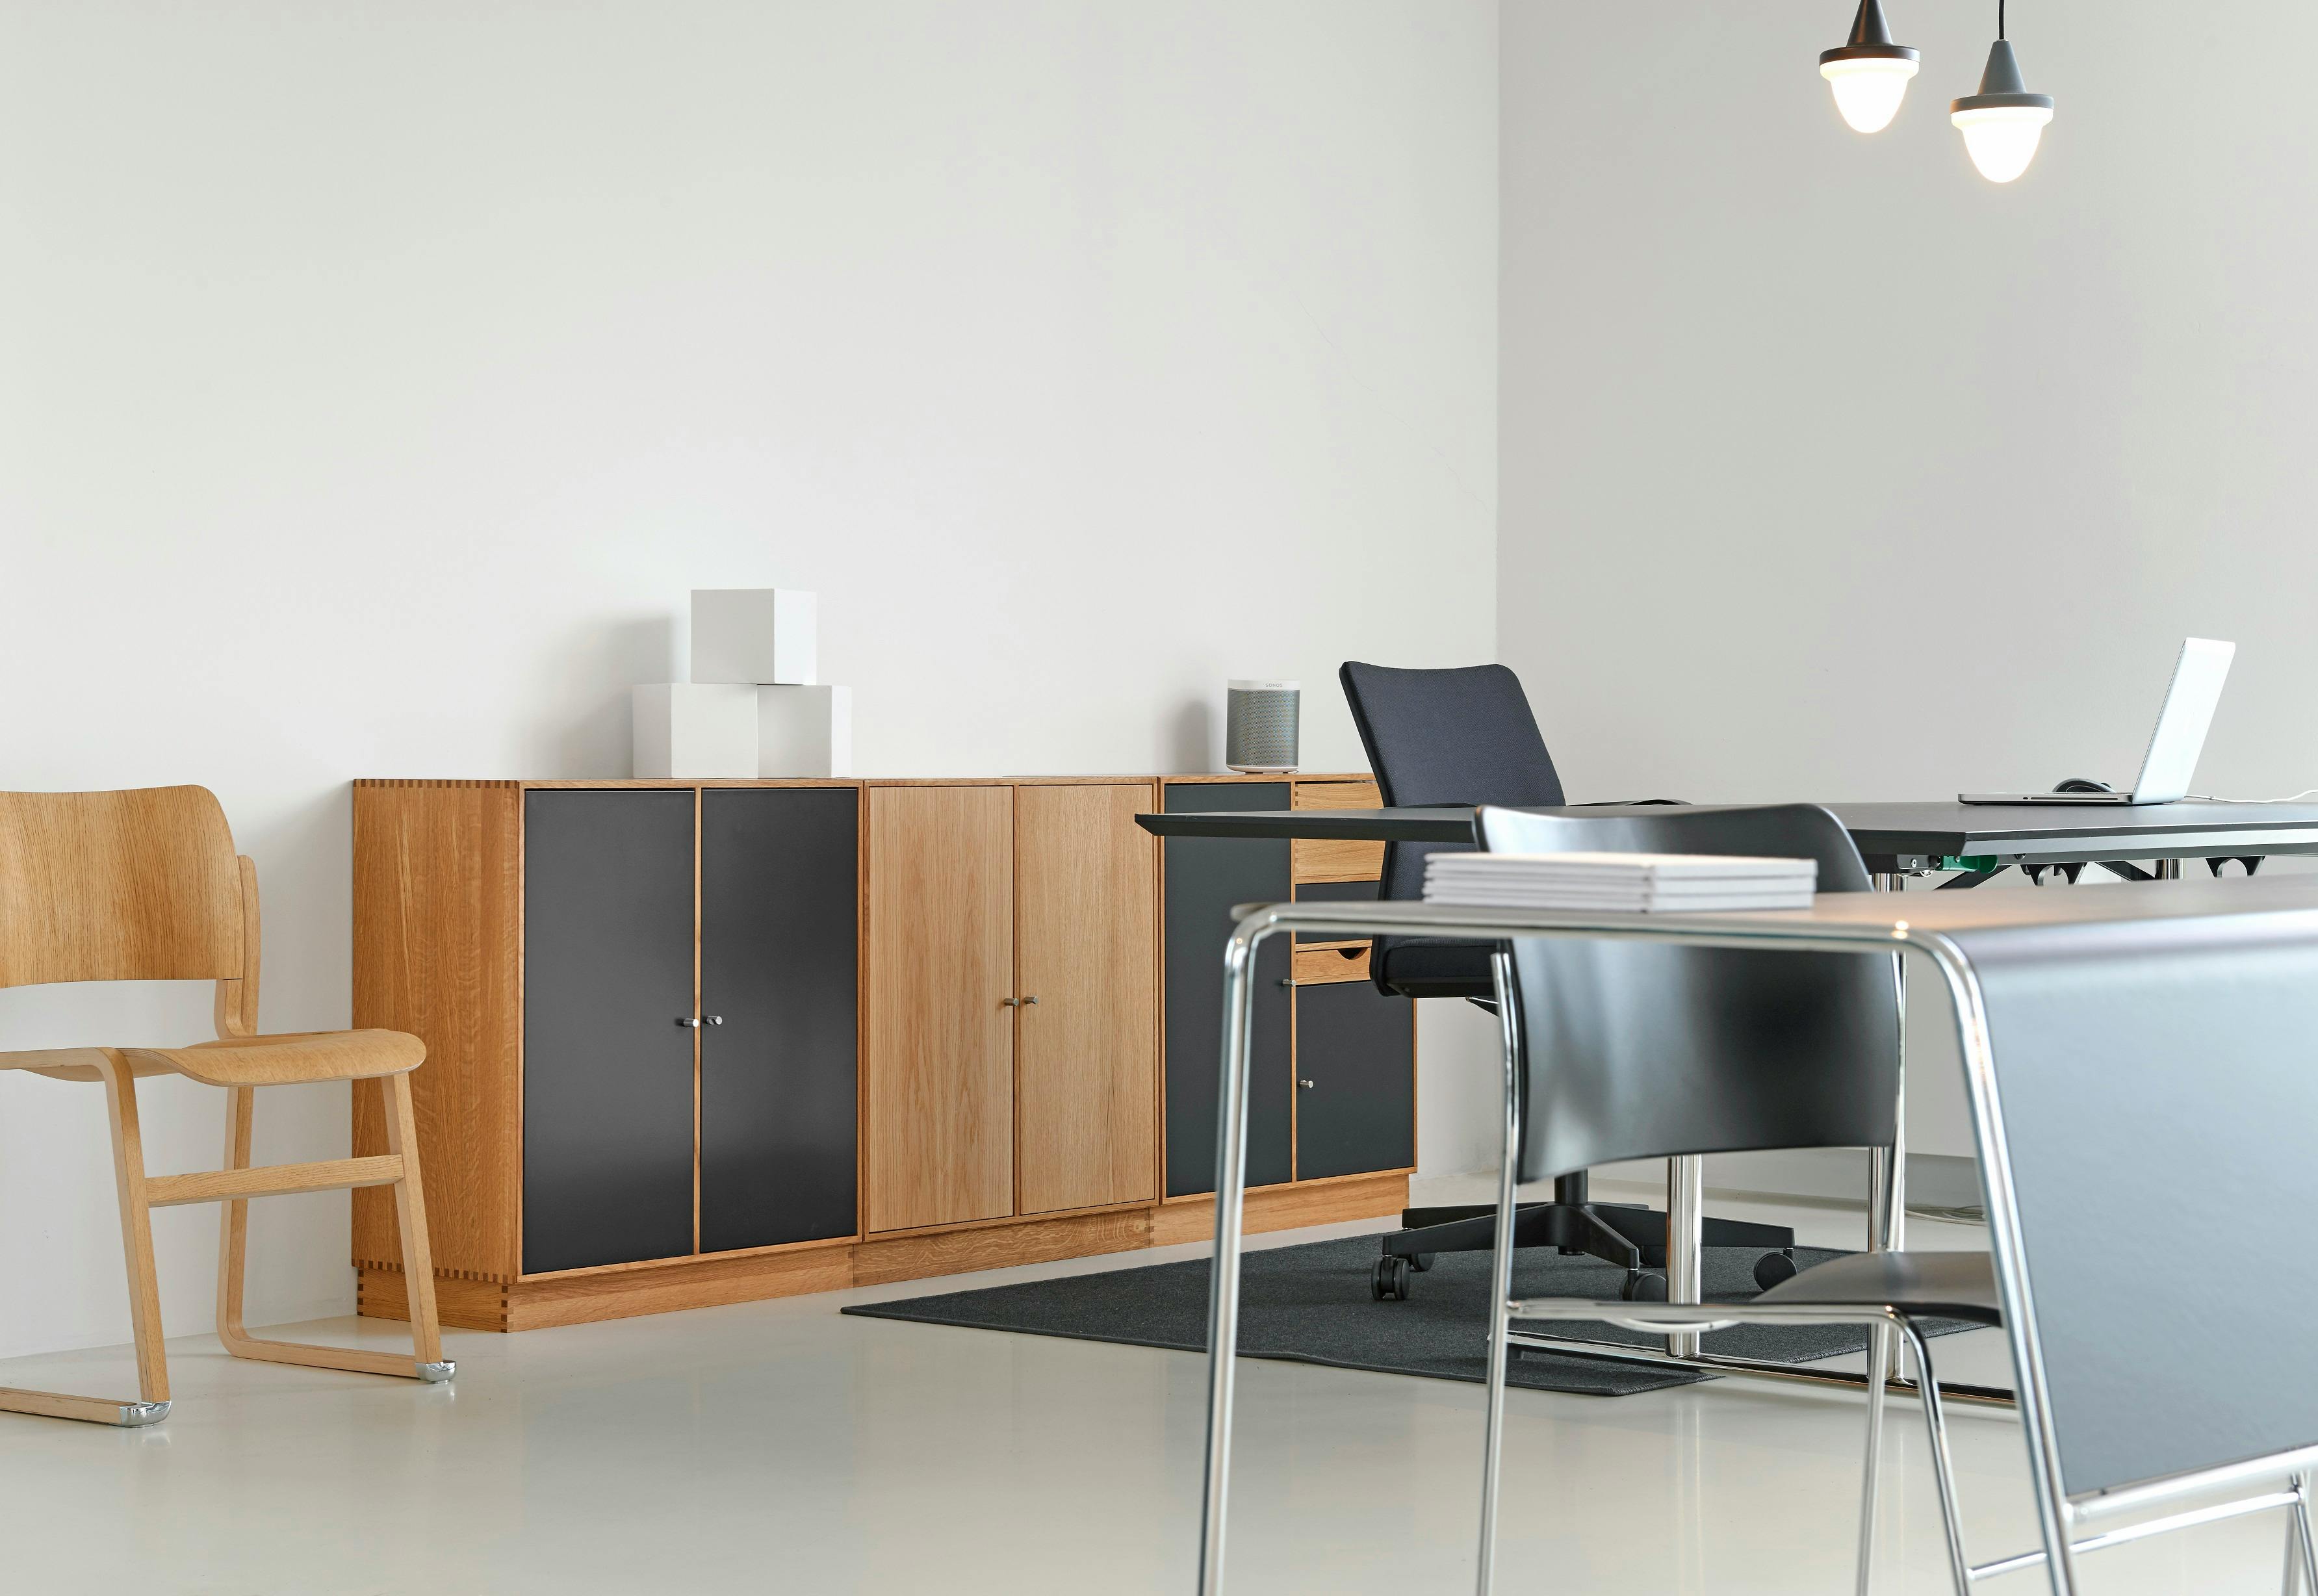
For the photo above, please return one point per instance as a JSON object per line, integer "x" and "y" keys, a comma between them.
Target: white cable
{"x": 2291, "y": 798}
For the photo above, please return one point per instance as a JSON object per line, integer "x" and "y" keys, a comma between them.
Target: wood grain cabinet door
{"x": 1086, "y": 929}
{"x": 607, "y": 978}
{"x": 780, "y": 916}
{"x": 941, "y": 1057}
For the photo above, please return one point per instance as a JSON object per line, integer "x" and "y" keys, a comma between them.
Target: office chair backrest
{"x": 2158, "y": 1081}
{"x": 1457, "y": 735}
{"x": 140, "y": 885}
{"x": 1635, "y": 1049}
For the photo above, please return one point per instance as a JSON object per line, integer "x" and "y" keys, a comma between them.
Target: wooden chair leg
{"x": 144, "y": 1288}
{"x": 410, "y": 1217}
{"x": 233, "y": 1256}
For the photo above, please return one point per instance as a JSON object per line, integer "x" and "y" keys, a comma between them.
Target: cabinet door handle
{"x": 1029, "y": 1001}
{"x": 691, "y": 1024}
{"x": 687, "y": 1021}
{"x": 1305, "y": 1084}
{"x": 1006, "y": 1002}
{"x": 1287, "y": 981}
{"x": 714, "y": 1020}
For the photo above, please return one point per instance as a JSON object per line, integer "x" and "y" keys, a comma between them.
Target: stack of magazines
{"x": 1635, "y": 883}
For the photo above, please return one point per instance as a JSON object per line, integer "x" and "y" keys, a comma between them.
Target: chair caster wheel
{"x": 1775, "y": 1267}
{"x": 1389, "y": 1282}
{"x": 1421, "y": 1262}
{"x": 1644, "y": 1286}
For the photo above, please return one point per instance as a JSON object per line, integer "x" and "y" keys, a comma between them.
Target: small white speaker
{"x": 1260, "y": 726}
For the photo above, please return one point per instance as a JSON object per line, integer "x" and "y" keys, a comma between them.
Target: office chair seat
{"x": 1433, "y": 968}
{"x": 1942, "y": 1285}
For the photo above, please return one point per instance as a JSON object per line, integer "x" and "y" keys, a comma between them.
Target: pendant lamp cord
{"x": 1999, "y": 20}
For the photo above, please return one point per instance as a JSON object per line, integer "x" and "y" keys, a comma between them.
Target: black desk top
{"x": 1885, "y": 833}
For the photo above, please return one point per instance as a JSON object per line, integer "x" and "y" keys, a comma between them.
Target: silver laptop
{"x": 2173, "y": 747}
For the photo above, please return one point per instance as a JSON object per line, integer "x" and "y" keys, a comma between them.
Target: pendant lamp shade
{"x": 1870, "y": 74}
{"x": 2002, "y": 124}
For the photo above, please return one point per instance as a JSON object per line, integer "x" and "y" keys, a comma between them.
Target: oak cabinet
{"x": 1088, "y": 979}
{"x": 639, "y": 1008}
{"x": 702, "y": 1042}
{"x": 1013, "y": 1062}
{"x": 940, "y": 1080}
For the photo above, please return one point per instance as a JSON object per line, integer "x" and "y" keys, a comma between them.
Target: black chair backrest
{"x": 1464, "y": 735}
{"x": 1639, "y": 1050}
{"x": 2158, "y": 1081}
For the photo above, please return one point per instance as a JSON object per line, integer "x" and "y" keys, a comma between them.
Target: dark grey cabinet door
{"x": 779, "y": 909}
{"x": 606, "y": 1069}
{"x": 1357, "y": 1046}
{"x": 1205, "y": 877}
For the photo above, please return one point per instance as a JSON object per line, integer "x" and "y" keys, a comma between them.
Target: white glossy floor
{"x": 778, "y": 1447}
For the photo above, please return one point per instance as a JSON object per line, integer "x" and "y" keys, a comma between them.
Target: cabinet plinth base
{"x": 715, "y": 1282}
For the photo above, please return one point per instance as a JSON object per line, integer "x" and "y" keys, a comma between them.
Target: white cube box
{"x": 804, "y": 731}
{"x": 754, "y": 634}
{"x": 689, "y": 730}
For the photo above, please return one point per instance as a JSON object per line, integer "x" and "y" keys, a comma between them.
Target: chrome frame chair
{"x": 2291, "y": 1476}
{"x": 2224, "y": 972}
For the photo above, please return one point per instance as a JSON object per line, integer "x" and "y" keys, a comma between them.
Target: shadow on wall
{"x": 594, "y": 666}
{"x": 305, "y": 870}
{"x": 1191, "y": 738}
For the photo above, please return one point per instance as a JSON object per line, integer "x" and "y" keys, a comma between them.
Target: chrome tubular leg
{"x": 1936, "y": 1423}
{"x": 1223, "y": 1277}
{"x": 1685, "y": 1223}
{"x": 1887, "y": 1200}
{"x": 2303, "y": 1548}
{"x": 1879, "y": 1360}
{"x": 2168, "y": 870}
{"x": 1501, "y": 1270}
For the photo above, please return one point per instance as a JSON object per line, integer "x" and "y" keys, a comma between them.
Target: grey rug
{"x": 1310, "y": 1304}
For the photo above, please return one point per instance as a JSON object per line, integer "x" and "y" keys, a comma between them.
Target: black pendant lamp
{"x": 2004, "y": 122}
{"x": 1869, "y": 75}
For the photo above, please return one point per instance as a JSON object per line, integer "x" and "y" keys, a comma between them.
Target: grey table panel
{"x": 1891, "y": 835}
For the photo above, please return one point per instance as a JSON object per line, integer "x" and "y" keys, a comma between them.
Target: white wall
{"x": 375, "y": 378}
{"x": 1831, "y": 471}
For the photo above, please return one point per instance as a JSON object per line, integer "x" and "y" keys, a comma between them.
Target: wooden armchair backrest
{"x": 137, "y": 886}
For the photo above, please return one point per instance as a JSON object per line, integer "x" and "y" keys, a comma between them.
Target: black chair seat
{"x": 1944, "y": 1285}
{"x": 1433, "y": 967}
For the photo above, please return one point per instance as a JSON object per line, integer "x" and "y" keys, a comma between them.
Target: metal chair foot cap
{"x": 436, "y": 1373}
{"x": 136, "y": 1415}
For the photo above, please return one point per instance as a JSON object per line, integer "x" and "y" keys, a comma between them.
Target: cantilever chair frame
{"x": 2287, "y": 1476}
{"x": 200, "y": 913}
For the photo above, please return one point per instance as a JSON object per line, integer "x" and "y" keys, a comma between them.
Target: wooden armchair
{"x": 144, "y": 885}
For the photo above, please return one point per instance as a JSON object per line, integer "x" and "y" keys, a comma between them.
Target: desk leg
{"x": 1685, "y": 1223}
{"x": 1223, "y": 1274}
{"x": 1501, "y": 1270}
{"x": 1887, "y": 1168}
{"x": 2168, "y": 869}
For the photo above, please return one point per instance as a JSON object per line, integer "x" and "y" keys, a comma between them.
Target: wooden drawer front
{"x": 1338, "y": 861}
{"x": 1319, "y": 860}
{"x": 1359, "y": 795}
{"x": 1315, "y": 967}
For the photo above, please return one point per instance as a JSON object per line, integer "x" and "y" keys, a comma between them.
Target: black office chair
{"x": 1466, "y": 735}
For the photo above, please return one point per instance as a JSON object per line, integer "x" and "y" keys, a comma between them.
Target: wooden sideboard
{"x": 693, "y": 1043}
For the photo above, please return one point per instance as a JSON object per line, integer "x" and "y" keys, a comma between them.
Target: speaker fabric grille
{"x": 1259, "y": 729}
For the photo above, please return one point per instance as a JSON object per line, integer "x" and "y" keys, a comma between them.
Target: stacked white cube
{"x": 692, "y": 729}
{"x": 762, "y": 636}
{"x": 754, "y": 706}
